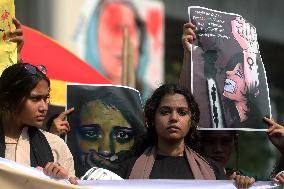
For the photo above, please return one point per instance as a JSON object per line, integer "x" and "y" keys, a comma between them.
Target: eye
{"x": 164, "y": 111}
{"x": 122, "y": 134}
{"x": 182, "y": 112}
{"x": 39, "y": 98}
{"x": 240, "y": 73}
{"x": 91, "y": 132}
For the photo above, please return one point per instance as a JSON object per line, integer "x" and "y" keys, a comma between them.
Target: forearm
{"x": 185, "y": 78}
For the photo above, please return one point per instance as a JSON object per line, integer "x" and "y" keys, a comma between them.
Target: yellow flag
{"x": 8, "y": 50}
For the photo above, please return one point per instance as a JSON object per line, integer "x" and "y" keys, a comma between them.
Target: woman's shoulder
{"x": 52, "y": 138}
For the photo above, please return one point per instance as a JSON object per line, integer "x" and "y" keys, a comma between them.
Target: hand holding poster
{"x": 104, "y": 125}
{"x": 228, "y": 77}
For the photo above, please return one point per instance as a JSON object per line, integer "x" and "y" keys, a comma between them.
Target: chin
{"x": 37, "y": 124}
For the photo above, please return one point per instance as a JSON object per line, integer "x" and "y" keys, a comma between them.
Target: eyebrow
{"x": 123, "y": 128}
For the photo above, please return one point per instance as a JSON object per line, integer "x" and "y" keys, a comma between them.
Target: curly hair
{"x": 16, "y": 83}
{"x": 152, "y": 105}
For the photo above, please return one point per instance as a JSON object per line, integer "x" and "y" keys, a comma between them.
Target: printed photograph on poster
{"x": 105, "y": 123}
{"x": 228, "y": 78}
{"x": 99, "y": 39}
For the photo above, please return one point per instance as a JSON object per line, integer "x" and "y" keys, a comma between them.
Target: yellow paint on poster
{"x": 8, "y": 50}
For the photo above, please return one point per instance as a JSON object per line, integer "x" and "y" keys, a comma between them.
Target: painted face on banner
{"x": 235, "y": 86}
{"x": 113, "y": 18}
{"x": 104, "y": 130}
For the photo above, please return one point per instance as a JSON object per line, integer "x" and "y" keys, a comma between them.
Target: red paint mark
{"x": 4, "y": 37}
{"x": 5, "y": 15}
{"x": 154, "y": 25}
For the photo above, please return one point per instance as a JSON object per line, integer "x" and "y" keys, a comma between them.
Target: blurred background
{"x": 59, "y": 19}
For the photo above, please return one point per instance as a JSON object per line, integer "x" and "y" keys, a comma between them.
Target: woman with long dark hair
{"x": 171, "y": 116}
{"x": 24, "y": 99}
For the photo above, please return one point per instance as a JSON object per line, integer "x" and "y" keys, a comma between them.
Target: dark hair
{"x": 234, "y": 60}
{"x": 152, "y": 105}
{"x": 16, "y": 83}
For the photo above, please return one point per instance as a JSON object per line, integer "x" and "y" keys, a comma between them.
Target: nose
{"x": 106, "y": 147}
{"x": 43, "y": 105}
{"x": 174, "y": 116}
{"x": 218, "y": 148}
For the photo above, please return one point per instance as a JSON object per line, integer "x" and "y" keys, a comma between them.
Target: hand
{"x": 55, "y": 170}
{"x": 74, "y": 180}
{"x": 188, "y": 36}
{"x": 275, "y": 134}
{"x": 244, "y": 181}
{"x": 60, "y": 125}
{"x": 92, "y": 159}
{"x": 245, "y": 34}
{"x": 17, "y": 36}
{"x": 279, "y": 178}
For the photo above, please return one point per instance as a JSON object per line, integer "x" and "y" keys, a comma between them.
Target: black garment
{"x": 168, "y": 167}
{"x": 40, "y": 151}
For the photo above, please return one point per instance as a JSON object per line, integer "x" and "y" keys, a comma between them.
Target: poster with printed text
{"x": 105, "y": 123}
{"x": 228, "y": 78}
{"x": 98, "y": 39}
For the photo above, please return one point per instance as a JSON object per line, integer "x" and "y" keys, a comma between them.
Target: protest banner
{"x": 14, "y": 176}
{"x": 99, "y": 36}
{"x": 104, "y": 125}
{"x": 228, "y": 78}
{"x": 8, "y": 50}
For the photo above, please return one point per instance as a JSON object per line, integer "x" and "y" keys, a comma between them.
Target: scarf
{"x": 40, "y": 151}
{"x": 199, "y": 166}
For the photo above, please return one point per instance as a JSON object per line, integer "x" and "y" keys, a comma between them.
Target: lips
{"x": 173, "y": 129}
{"x": 40, "y": 117}
{"x": 229, "y": 86}
{"x": 218, "y": 157}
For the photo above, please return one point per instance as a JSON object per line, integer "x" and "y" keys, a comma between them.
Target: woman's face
{"x": 172, "y": 118}
{"x": 114, "y": 17}
{"x": 104, "y": 130}
{"x": 218, "y": 145}
{"x": 35, "y": 106}
{"x": 235, "y": 86}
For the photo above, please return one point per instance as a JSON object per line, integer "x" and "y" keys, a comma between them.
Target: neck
{"x": 170, "y": 149}
{"x": 242, "y": 109}
{"x": 11, "y": 127}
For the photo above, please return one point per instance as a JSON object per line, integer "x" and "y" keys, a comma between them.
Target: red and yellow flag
{"x": 61, "y": 64}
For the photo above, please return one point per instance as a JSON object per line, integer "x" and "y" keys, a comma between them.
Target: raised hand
{"x": 60, "y": 125}
{"x": 188, "y": 36}
{"x": 275, "y": 134}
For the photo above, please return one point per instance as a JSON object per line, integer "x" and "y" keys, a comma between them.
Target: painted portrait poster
{"x": 105, "y": 124}
{"x": 98, "y": 39}
{"x": 228, "y": 77}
